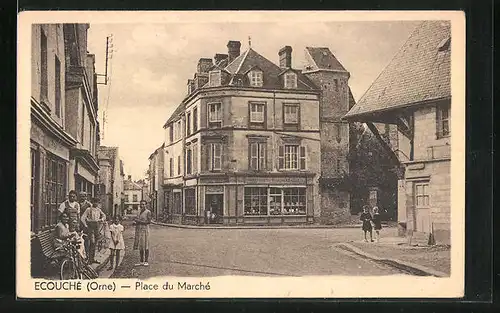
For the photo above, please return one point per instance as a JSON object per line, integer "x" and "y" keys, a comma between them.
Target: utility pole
{"x": 109, "y": 56}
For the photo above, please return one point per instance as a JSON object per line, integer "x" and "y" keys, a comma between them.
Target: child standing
{"x": 377, "y": 223}
{"x": 366, "y": 218}
{"x": 116, "y": 244}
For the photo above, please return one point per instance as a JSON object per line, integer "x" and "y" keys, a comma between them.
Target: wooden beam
{"x": 392, "y": 155}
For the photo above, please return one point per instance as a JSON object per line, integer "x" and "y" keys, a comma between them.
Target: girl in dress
{"x": 366, "y": 218}
{"x": 141, "y": 241}
{"x": 116, "y": 244}
{"x": 377, "y": 223}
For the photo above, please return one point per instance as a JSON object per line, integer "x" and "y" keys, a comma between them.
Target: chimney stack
{"x": 285, "y": 55}
{"x": 204, "y": 65}
{"x": 233, "y": 50}
{"x": 219, "y": 57}
{"x": 129, "y": 177}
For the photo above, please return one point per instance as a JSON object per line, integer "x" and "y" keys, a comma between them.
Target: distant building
{"x": 111, "y": 182}
{"x": 133, "y": 194}
{"x": 156, "y": 175}
{"x": 414, "y": 93}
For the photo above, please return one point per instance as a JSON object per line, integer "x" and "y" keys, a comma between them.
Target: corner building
{"x": 244, "y": 146}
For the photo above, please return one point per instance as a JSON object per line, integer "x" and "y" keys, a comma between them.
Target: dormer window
{"x": 214, "y": 78}
{"x": 255, "y": 78}
{"x": 290, "y": 80}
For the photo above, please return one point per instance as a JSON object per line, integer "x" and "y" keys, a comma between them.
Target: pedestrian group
{"x": 371, "y": 222}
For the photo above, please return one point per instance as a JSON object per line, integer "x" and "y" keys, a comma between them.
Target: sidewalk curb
{"x": 411, "y": 267}
{"x": 258, "y": 227}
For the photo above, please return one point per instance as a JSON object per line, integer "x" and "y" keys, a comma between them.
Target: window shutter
{"x": 281, "y": 157}
{"x": 262, "y": 156}
{"x": 209, "y": 157}
{"x": 302, "y": 157}
{"x": 253, "y": 155}
{"x": 217, "y": 156}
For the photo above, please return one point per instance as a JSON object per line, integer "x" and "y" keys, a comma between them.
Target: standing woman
{"x": 141, "y": 241}
{"x": 366, "y": 218}
{"x": 377, "y": 223}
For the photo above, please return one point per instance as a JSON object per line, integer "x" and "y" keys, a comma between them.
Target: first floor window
{"x": 215, "y": 159}
{"x": 422, "y": 195}
{"x": 127, "y": 198}
{"x": 190, "y": 201}
{"x": 292, "y": 157}
{"x": 255, "y": 201}
{"x": 194, "y": 158}
{"x": 178, "y": 165}
{"x": 188, "y": 161}
{"x": 443, "y": 121}
{"x": 134, "y": 197}
{"x": 258, "y": 156}
{"x": 171, "y": 167}
{"x": 275, "y": 201}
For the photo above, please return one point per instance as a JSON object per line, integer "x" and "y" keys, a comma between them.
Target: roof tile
{"x": 418, "y": 72}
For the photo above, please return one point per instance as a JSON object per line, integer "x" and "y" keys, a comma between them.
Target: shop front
{"x": 245, "y": 200}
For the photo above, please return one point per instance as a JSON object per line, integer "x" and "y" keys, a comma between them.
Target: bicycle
{"x": 73, "y": 266}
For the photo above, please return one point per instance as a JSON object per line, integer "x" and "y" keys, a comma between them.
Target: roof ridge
{"x": 242, "y": 60}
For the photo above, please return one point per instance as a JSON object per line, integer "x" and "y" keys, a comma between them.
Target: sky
{"x": 151, "y": 64}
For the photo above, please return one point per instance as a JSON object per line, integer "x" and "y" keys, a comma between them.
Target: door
{"x": 422, "y": 208}
{"x": 215, "y": 204}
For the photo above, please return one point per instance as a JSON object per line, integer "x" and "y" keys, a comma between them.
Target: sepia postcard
{"x": 241, "y": 154}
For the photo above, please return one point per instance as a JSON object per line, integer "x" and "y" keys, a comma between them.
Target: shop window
{"x": 177, "y": 205}
{"x": 294, "y": 201}
{"x": 190, "y": 201}
{"x": 55, "y": 185}
{"x": 255, "y": 201}
{"x": 275, "y": 200}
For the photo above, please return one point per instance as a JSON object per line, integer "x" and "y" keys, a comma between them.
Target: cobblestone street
{"x": 261, "y": 252}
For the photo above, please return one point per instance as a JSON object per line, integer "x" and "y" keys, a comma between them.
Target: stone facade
{"x": 63, "y": 150}
{"x": 239, "y": 168}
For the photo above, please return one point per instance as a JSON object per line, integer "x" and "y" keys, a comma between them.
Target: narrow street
{"x": 256, "y": 252}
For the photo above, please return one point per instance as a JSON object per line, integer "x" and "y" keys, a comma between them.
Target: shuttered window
{"x": 292, "y": 157}
{"x": 257, "y": 156}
